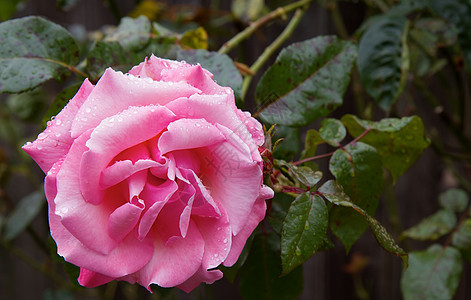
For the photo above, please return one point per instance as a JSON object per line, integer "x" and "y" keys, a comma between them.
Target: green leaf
{"x": 221, "y": 65}
{"x": 312, "y": 140}
{"x": 358, "y": 170}
{"x": 60, "y": 102}
{"x": 457, "y": 13}
{"x": 32, "y": 51}
{"x": 303, "y": 174}
{"x": 304, "y": 230}
{"x": 332, "y": 131}
{"x": 381, "y": 58}
{"x": 433, "y": 227}
{"x": 103, "y": 55}
{"x": 27, "y": 106}
{"x": 399, "y": 142}
{"x": 334, "y": 193}
{"x": 131, "y": 34}
{"x": 278, "y": 210}
{"x": 25, "y": 211}
{"x": 195, "y": 39}
{"x": 306, "y": 82}
{"x": 433, "y": 274}
{"x": 260, "y": 276}
{"x": 461, "y": 238}
{"x": 8, "y": 9}
{"x": 454, "y": 199}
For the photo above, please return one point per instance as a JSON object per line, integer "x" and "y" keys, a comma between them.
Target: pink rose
{"x": 153, "y": 177}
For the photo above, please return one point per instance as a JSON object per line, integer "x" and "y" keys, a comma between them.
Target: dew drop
{"x": 88, "y": 110}
{"x": 42, "y": 136}
{"x": 58, "y": 122}
{"x": 298, "y": 251}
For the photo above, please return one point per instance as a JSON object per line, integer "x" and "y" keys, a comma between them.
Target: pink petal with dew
{"x": 152, "y": 67}
{"x": 54, "y": 142}
{"x": 256, "y": 215}
{"x": 123, "y": 220}
{"x": 115, "y": 134}
{"x": 116, "y": 92}
{"x": 189, "y": 134}
{"x": 174, "y": 262}
{"x": 121, "y": 170}
{"x": 217, "y": 235}
{"x": 87, "y": 222}
{"x": 114, "y": 264}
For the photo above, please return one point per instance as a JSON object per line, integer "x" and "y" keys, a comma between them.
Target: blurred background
{"x": 27, "y": 270}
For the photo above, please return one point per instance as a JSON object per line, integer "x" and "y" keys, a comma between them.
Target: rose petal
{"x": 131, "y": 127}
{"x": 54, "y": 142}
{"x": 116, "y": 92}
{"x": 92, "y": 279}
{"x": 201, "y": 276}
{"x": 123, "y": 220}
{"x": 152, "y": 67}
{"x": 189, "y": 134}
{"x": 121, "y": 170}
{"x": 174, "y": 263}
{"x": 256, "y": 215}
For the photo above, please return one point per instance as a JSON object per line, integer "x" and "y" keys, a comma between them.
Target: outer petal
{"x": 256, "y": 215}
{"x": 201, "y": 276}
{"x": 175, "y": 262}
{"x": 115, "y": 92}
{"x": 92, "y": 279}
{"x": 131, "y": 127}
{"x": 54, "y": 142}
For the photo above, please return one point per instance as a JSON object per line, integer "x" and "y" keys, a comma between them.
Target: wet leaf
{"x": 306, "y": 82}
{"x": 433, "y": 227}
{"x": 399, "y": 142}
{"x": 60, "y": 102}
{"x": 103, "y": 55}
{"x": 32, "y": 51}
{"x": 332, "y": 131}
{"x": 357, "y": 168}
{"x": 312, "y": 140}
{"x": 383, "y": 60}
{"x": 433, "y": 274}
{"x": 304, "y": 230}
{"x": 131, "y": 34}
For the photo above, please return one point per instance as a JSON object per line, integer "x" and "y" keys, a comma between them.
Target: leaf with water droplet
{"x": 33, "y": 51}
{"x": 304, "y": 229}
{"x": 303, "y": 174}
{"x": 399, "y": 142}
{"x": 357, "y": 168}
{"x": 433, "y": 227}
{"x": 454, "y": 199}
{"x": 332, "y": 131}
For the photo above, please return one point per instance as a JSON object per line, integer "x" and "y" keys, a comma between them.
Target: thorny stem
{"x": 254, "y": 26}
{"x": 331, "y": 153}
{"x": 271, "y": 49}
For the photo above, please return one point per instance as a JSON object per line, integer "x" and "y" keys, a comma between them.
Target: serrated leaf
{"x": 32, "y": 51}
{"x": 131, "y": 33}
{"x": 195, "y": 39}
{"x": 454, "y": 199}
{"x": 260, "y": 276}
{"x": 357, "y": 168}
{"x": 380, "y": 59}
{"x": 332, "y": 131}
{"x": 304, "y": 230}
{"x": 399, "y": 142}
{"x": 25, "y": 211}
{"x": 60, "y": 102}
{"x": 103, "y": 55}
{"x": 433, "y": 274}
{"x": 334, "y": 193}
{"x": 221, "y": 65}
{"x": 433, "y": 227}
{"x": 306, "y": 82}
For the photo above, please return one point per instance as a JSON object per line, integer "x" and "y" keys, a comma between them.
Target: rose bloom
{"x": 153, "y": 177}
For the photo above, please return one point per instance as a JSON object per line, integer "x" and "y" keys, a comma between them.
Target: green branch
{"x": 254, "y": 26}
{"x": 273, "y": 47}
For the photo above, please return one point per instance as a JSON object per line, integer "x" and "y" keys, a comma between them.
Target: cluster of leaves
{"x": 399, "y": 46}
